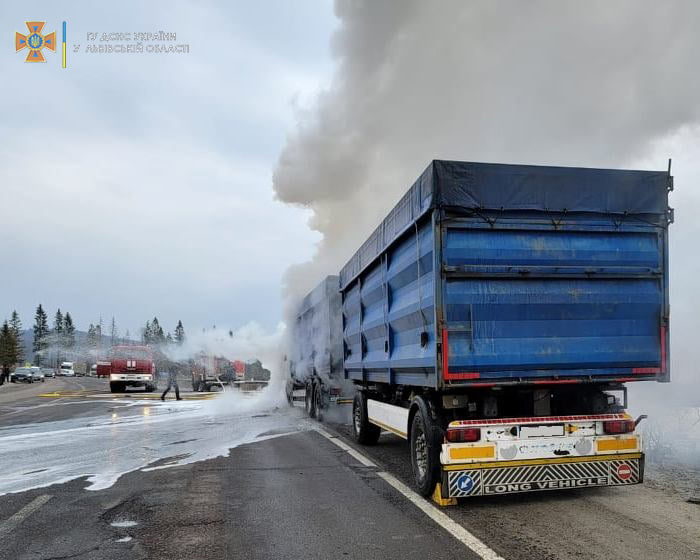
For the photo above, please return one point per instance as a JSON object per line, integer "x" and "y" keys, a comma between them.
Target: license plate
{"x": 544, "y": 430}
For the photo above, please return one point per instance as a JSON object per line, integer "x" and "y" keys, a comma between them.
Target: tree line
{"x": 153, "y": 334}
{"x": 61, "y": 337}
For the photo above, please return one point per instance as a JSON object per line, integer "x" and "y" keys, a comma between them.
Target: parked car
{"x": 26, "y": 374}
{"x": 48, "y": 372}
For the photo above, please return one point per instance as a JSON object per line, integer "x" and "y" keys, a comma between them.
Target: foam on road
{"x": 136, "y": 434}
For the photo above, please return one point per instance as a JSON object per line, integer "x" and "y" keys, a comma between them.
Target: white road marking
{"x": 345, "y": 447}
{"x": 6, "y": 527}
{"x": 442, "y": 519}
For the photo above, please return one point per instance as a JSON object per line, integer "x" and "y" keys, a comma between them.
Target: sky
{"x": 137, "y": 185}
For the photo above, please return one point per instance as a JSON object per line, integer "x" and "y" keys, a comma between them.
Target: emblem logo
{"x": 35, "y": 41}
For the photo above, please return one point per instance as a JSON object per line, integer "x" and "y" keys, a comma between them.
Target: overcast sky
{"x": 137, "y": 185}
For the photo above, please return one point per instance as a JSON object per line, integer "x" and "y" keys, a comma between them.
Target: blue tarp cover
{"x": 480, "y": 187}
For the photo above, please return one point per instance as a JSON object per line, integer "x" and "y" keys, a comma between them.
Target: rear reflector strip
{"x": 474, "y": 452}
{"x": 539, "y": 419}
{"x": 662, "y": 333}
{"x": 646, "y": 370}
{"x": 621, "y": 444}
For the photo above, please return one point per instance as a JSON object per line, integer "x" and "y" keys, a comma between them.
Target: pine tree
{"x": 41, "y": 330}
{"x": 16, "y": 327}
{"x": 113, "y": 333}
{"x": 57, "y": 338}
{"x": 58, "y": 322}
{"x": 169, "y": 339}
{"x": 127, "y": 337}
{"x": 91, "y": 342}
{"x": 179, "y": 334}
{"x": 58, "y": 329}
{"x": 98, "y": 334}
{"x": 9, "y": 350}
{"x": 68, "y": 331}
{"x": 157, "y": 334}
{"x": 147, "y": 335}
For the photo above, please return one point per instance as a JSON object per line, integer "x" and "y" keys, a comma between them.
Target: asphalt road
{"x": 292, "y": 493}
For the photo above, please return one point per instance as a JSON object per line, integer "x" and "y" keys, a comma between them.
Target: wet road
{"x": 283, "y": 490}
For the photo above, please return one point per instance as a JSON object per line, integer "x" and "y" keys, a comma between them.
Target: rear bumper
{"x": 511, "y": 477}
{"x": 132, "y": 379}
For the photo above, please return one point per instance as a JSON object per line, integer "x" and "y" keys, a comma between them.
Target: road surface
{"x": 74, "y": 486}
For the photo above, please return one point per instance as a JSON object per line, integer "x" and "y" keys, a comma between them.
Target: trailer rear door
{"x": 532, "y": 301}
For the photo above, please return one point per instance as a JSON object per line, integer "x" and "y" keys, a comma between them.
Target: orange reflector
{"x": 618, "y": 444}
{"x": 474, "y": 452}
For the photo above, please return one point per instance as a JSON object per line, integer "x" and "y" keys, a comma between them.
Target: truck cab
{"x": 129, "y": 366}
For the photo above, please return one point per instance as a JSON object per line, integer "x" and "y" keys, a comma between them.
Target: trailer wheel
{"x": 116, "y": 387}
{"x": 365, "y": 432}
{"x": 309, "y": 401}
{"x": 425, "y": 451}
{"x": 318, "y": 402}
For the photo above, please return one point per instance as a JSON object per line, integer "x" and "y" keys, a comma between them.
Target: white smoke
{"x": 566, "y": 83}
{"x": 247, "y": 343}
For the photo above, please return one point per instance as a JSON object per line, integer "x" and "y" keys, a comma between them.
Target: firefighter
{"x": 172, "y": 383}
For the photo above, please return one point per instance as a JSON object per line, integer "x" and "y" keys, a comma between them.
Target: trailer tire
{"x": 116, "y": 387}
{"x": 318, "y": 402}
{"x": 309, "y": 401}
{"x": 365, "y": 432}
{"x": 425, "y": 450}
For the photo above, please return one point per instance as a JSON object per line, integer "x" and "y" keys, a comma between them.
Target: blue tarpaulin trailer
{"x": 491, "y": 273}
{"x": 494, "y": 318}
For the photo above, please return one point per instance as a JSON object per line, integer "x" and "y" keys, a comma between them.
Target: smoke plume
{"x": 566, "y": 83}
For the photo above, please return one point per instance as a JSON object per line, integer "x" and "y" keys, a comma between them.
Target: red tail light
{"x": 462, "y": 435}
{"x": 618, "y": 426}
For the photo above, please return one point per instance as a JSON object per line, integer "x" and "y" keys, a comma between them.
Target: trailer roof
{"x": 479, "y": 187}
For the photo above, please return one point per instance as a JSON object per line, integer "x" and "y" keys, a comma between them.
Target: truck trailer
{"x": 315, "y": 357}
{"x": 495, "y": 316}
